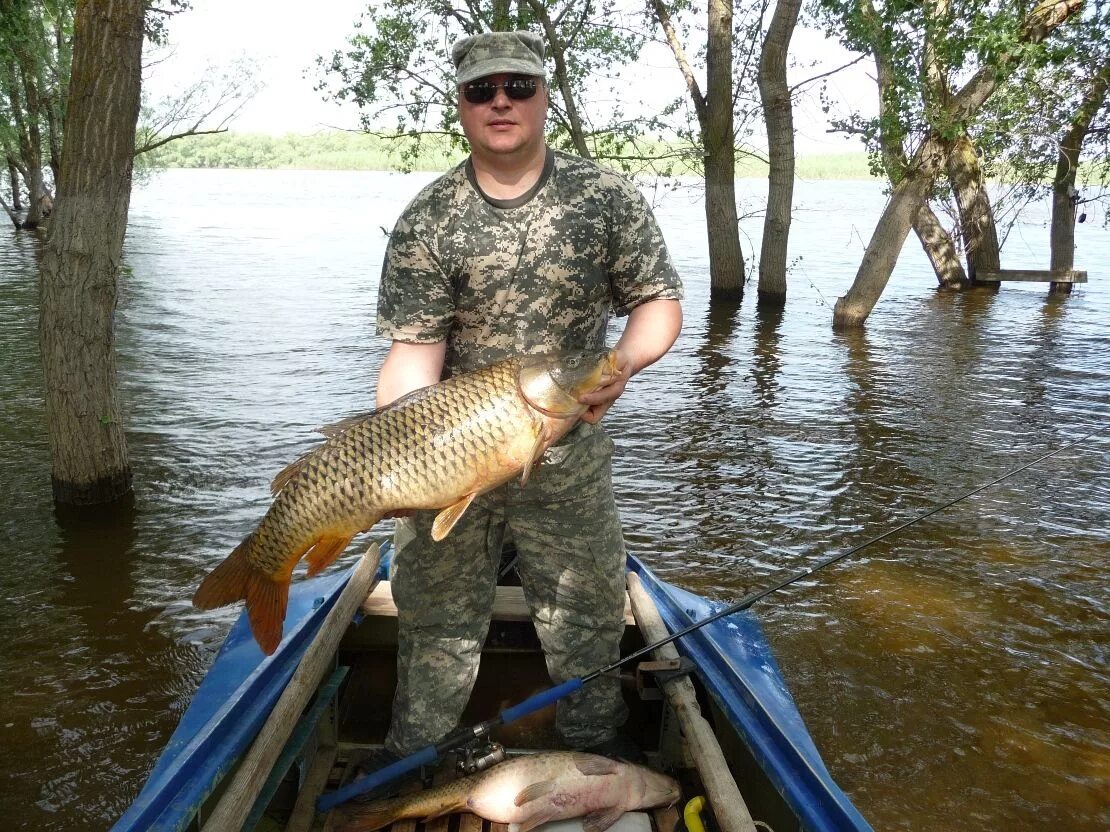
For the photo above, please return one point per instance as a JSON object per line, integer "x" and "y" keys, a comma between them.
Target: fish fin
{"x": 602, "y": 819}
{"x": 530, "y": 793}
{"x": 538, "y": 819}
{"x": 336, "y": 428}
{"x": 287, "y": 473}
{"x": 267, "y": 600}
{"x": 446, "y": 519}
{"x": 595, "y": 765}
{"x": 227, "y": 583}
{"x": 534, "y": 456}
{"x": 345, "y": 424}
{"x": 324, "y": 552}
{"x": 237, "y": 579}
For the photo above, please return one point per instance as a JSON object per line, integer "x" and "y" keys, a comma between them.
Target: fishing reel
{"x": 474, "y": 758}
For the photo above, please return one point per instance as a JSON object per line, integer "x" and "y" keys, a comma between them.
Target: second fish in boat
{"x": 527, "y": 791}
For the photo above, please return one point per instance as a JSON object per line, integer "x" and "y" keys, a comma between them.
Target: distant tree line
{"x": 344, "y": 150}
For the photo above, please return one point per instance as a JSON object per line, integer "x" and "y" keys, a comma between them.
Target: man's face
{"x": 504, "y": 126}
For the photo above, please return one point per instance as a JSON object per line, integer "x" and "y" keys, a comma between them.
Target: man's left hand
{"x": 601, "y": 399}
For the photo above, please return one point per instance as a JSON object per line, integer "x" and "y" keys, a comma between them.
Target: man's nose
{"x": 501, "y": 99}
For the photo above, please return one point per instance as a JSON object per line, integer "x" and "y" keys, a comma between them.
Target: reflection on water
{"x": 953, "y": 676}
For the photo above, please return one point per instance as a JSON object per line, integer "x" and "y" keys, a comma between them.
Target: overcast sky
{"x": 284, "y": 38}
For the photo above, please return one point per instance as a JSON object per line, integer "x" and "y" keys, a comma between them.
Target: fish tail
{"x": 237, "y": 579}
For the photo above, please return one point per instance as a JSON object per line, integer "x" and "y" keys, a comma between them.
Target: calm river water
{"x": 954, "y": 677}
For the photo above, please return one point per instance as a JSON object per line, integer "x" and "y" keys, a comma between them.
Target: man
{"x": 518, "y": 250}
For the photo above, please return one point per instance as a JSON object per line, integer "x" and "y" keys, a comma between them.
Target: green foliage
{"x": 396, "y": 70}
{"x": 36, "y": 41}
{"x": 926, "y": 52}
{"x": 1027, "y": 120}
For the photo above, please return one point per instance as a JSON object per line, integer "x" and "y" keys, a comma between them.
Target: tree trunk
{"x": 80, "y": 267}
{"x": 558, "y": 53}
{"x": 779, "y": 117}
{"x": 977, "y": 226}
{"x": 940, "y": 249}
{"x": 13, "y": 177}
{"x": 31, "y": 154}
{"x": 726, "y": 262}
{"x": 890, "y": 235}
{"x": 1065, "y": 198}
{"x": 934, "y": 238}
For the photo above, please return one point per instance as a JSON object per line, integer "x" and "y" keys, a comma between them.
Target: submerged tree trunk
{"x": 939, "y": 248}
{"x": 80, "y": 267}
{"x": 890, "y": 235}
{"x": 934, "y": 238}
{"x": 977, "y": 226}
{"x": 1064, "y": 195}
{"x": 714, "y": 111}
{"x": 779, "y": 117}
{"x": 13, "y": 177}
{"x": 726, "y": 261}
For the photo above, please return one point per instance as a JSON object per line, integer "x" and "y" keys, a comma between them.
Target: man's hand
{"x": 601, "y": 399}
{"x": 652, "y": 328}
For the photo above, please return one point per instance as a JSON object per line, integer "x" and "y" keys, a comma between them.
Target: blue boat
{"x": 212, "y": 758}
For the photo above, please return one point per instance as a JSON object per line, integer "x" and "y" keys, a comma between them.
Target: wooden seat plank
{"x": 508, "y": 604}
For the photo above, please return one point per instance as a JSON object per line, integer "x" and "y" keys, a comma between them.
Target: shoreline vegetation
{"x": 338, "y": 150}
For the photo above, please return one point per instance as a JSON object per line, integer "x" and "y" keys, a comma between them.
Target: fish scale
{"x": 436, "y": 448}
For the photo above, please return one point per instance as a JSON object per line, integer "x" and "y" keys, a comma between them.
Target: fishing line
{"x": 431, "y": 754}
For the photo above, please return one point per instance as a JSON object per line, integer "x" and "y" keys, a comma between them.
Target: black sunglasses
{"x": 484, "y": 91}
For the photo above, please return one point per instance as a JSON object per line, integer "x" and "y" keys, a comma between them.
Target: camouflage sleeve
{"x": 640, "y": 267}
{"x": 415, "y": 300}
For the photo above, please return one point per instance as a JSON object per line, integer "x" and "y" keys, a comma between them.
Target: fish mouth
{"x": 557, "y": 396}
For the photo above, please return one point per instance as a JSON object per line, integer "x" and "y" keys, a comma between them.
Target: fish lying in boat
{"x": 436, "y": 448}
{"x": 527, "y": 791}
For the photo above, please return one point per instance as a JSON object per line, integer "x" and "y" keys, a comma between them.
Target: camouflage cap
{"x": 491, "y": 53}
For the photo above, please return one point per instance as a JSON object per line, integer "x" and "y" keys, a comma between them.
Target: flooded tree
{"x": 80, "y": 267}
{"x": 34, "y": 74}
{"x": 935, "y": 44}
{"x": 778, "y": 115}
{"x": 716, "y": 138}
{"x": 1065, "y": 196}
{"x": 1050, "y": 133}
{"x": 886, "y": 137}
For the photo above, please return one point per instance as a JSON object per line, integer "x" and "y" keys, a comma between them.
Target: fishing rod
{"x": 431, "y": 754}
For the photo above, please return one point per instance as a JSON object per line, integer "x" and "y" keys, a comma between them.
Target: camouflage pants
{"x": 571, "y": 564}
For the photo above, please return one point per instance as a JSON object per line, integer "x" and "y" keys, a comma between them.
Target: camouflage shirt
{"x": 539, "y": 273}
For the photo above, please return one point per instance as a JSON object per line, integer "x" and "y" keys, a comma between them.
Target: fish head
{"x": 552, "y": 382}
{"x": 658, "y": 789}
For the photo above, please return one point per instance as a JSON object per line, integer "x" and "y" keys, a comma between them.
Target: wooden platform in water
{"x": 1032, "y": 276}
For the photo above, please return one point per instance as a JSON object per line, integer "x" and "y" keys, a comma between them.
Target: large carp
{"x": 527, "y": 791}
{"x": 436, "y": 448}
